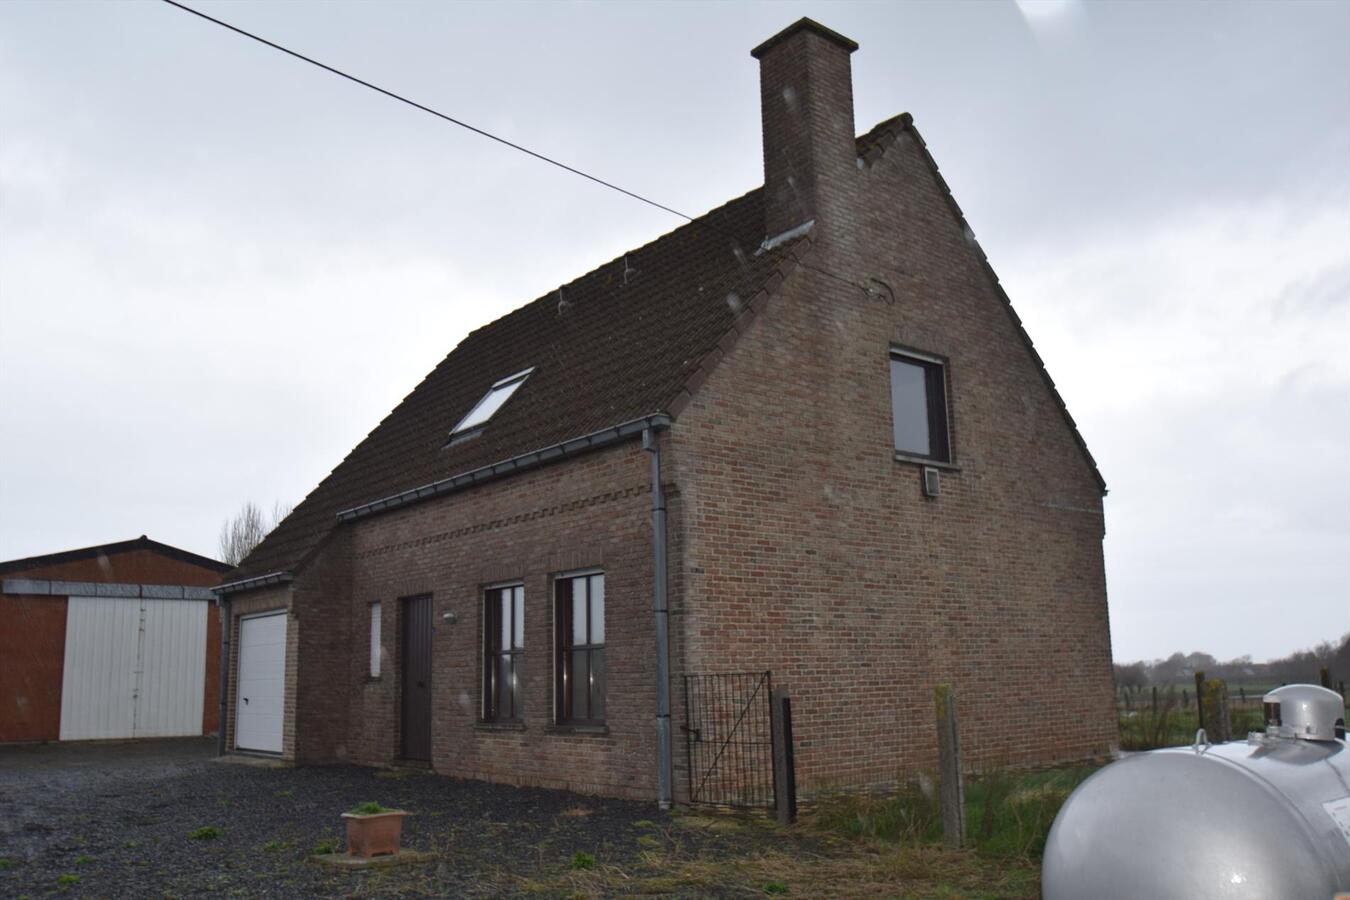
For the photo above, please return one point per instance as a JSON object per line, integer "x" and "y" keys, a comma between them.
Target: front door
{"x": 417, "y": 678}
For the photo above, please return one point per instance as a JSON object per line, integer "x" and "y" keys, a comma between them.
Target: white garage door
{"x": 133, "y": 668}
{"x": 261, "y": 682}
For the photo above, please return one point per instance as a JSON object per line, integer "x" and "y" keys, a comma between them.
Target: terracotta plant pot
{"x": 376, "y": 834}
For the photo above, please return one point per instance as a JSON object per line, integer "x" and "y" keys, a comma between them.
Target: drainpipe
{"x": 665, "y": 792}
{"x": 224, "y": 686}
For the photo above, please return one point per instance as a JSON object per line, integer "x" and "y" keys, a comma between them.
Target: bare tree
{"x": 239, "y": 535}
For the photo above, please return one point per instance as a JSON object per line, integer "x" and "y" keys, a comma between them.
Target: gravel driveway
{"x": 118, "y": 820}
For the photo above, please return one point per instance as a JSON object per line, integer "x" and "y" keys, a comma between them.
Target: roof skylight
{"x": 492, "y": 401}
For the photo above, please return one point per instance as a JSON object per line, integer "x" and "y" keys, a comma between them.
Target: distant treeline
{"x": 1301, "y": 666}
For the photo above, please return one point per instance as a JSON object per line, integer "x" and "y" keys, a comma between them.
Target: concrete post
{"x": 1214, "y": 711}
{"x": 952, "y": 787}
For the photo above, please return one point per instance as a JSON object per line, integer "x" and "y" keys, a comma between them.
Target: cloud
{"x": 1206, "y": 360}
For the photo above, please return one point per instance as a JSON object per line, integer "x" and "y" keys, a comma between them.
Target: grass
{"x": 205, "y": 833}
{"x": 67, "y": 880}
{"x": 325, "y": 848}
{"x": 848, "y": 845}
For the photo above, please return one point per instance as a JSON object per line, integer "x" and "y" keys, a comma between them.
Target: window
{"x": 919, "y": 406}
{"x": 580, "y": 679}
{"x": 375, "y": 640}
{"x": 492, "y": 401}
{"x": 504, "y": 654}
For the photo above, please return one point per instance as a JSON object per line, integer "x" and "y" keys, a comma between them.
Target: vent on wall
{"x": 932, "y": 482}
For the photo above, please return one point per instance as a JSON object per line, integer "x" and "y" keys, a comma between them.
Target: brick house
{"x": 806, "y": 432}
{"x": 120, "y": 640}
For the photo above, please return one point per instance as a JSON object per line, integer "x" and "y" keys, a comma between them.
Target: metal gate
{"x": 729, "y": 739}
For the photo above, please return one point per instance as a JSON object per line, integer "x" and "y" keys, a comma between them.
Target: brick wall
{"x": 32, "y": 659}
{"x": 131, "y": 567}
{"x": 809, "y": 550}
{"x": 593, "y": 512}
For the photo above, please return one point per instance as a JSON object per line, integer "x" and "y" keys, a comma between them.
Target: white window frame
{"x": 513, "y": 382}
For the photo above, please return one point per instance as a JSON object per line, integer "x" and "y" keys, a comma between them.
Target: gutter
{"x": 571, "y": 447}
{"x": 661, "y": 612}
{"x": 226, "y": 626}
{"x": 248, "y": 584}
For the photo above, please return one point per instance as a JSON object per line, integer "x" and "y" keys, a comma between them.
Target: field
{"x": 1170, "y": 718}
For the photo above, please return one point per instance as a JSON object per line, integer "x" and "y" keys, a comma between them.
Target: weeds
{"x": 83, "y": 858}
{"x": 1007, "y": 815}
{"x": 205, "y": 833}
{"x": 6, "y": 863}
{"x": 325, "y": 848}
{"x": 69, "y": 879}
{"x": 276, "y": 846}
{"x": 582, "y": 860}
{"x": 775, "y": 887}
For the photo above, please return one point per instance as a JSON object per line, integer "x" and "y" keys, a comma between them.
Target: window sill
{"x": 577, "y": 729}
{"x": 925, "y": 461}
{"x": 498, "y": 726}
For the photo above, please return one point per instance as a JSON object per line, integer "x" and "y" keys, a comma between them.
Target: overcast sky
{"x": 220, "y": 268}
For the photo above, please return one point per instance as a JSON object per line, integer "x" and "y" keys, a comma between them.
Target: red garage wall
{"x": 32, "y": 657}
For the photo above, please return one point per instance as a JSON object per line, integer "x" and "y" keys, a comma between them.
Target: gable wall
{"x": 131, "y": 567}
{"x": 591, "y": 511}
{"x": 810, "y": 551}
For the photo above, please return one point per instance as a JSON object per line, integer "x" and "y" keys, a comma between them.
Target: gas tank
{"x": 1264, "y": 818}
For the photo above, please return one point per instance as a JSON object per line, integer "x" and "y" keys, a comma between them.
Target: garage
{"x": 109, "y": 642}
{"x": 134, "y": 668}
{"x": 261, "y": 685}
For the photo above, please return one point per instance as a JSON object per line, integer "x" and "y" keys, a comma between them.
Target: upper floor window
{"x": 580, "y": 678}
{"x": 492, "y": 401}
{"x": 504, "y": 654}
{"x": 919, "y": 406}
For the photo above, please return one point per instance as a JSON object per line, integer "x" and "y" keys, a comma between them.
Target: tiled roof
{"x": 632, "y": 338}
{"x": 616, "y": 344}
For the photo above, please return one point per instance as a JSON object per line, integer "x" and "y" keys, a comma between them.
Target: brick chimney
{"x": 806, "y": 103}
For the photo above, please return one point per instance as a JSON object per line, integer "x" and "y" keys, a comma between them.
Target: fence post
{"x": 1214, "y": 710}
{"x": 1199, "y": 701}
{"x": 952, "y": 788}
{"x": 784, "y": 766}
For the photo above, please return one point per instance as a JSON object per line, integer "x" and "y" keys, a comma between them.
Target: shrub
{"x": 369, "y": 808}
{"x": 583, "y": 860}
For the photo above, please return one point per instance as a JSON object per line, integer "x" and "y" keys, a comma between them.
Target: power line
{"x": 479, "y": 131}
{"x": 427, "y": 109}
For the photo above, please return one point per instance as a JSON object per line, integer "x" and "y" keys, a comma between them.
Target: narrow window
{"x": 375, "y": 640}
{"x": 919, "y": 406}
{"x": 580, "y": 677}
{"x": 504, "y": 654}
{"x": 492, "y": 401}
